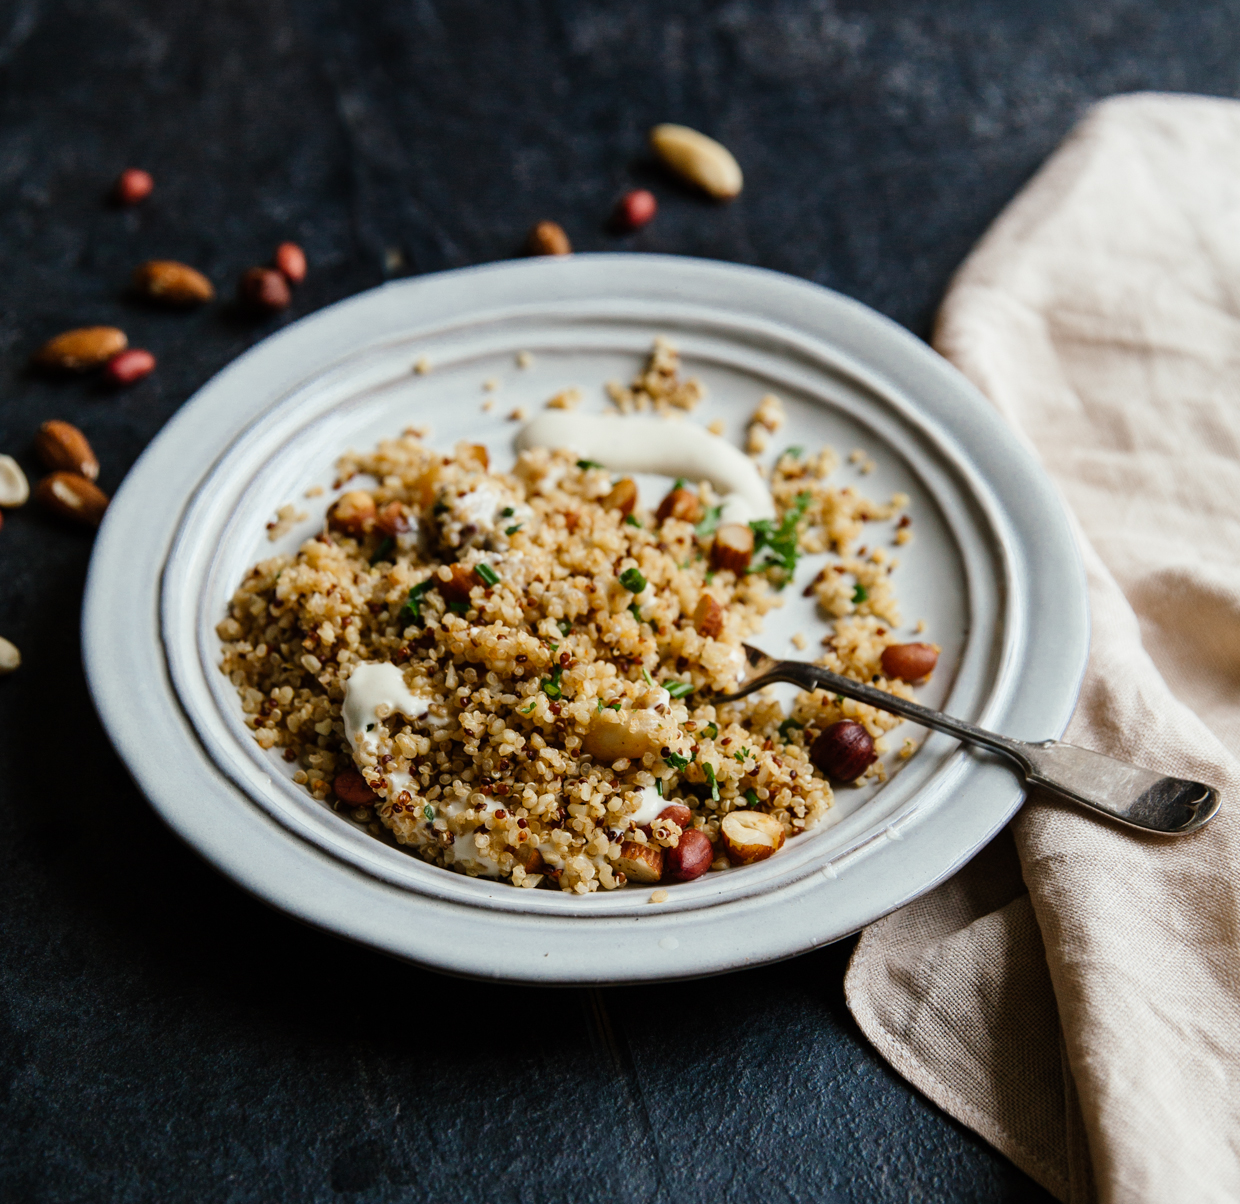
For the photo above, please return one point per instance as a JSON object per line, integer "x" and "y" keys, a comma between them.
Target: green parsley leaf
{"x": 679, "y": 483}
{"x": 709, "y": 770}
{"x": 710, "y": 522}
{"x": 751, "y": 797}
{"x": 678, "y": 689}
{"x": 458, "y": 608}
{"x": 529, "y": 709}
{"x": 795, "y": 451}
{"x": 676, "y": 761}
{"x": 633, "y": 521}
{"x": 412, "y": 609}
{"x": 486, "y": 573}
{"x": 564, "y": 625}
{"x": 507, "y": 512}
{"x": 860, "y": 593}
{"x": 777, "y": 544}
{"x": 711, "y": 731}
{"x": 383, "y": 550}
{"x": 649, "y": 679}
{"x": 787, "y": 726}
{"x": 636, "y": 612}
{"x": 742, "y": 756}
{"x": 632, "y": 580}
{"x": 551, "y": 685}
{"x": 428, "y": 811}
{"x": 513, "y": 529}
{"x": 586, "y": 464}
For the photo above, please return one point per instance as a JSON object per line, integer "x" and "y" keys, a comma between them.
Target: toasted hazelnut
{"x": 456, "y": 588}
{"x": 690, "y": 859}
{"x": 617, "y": 735}
{"x": 843, "y": 751}
{"x": 708, "y": 618}
{"x": 82, "y": 349}
{"x": 750, "y": 836}
{"x": 353, "y": 513}
{"x": 548, "y": 238}
{"x": 909, "y": 662}
{"x": 529, "y": 857}
{"x": 392, "y": 520}
{"x": 60, "y": 445}
{"x": 683, "y": 504}
{"x": 733, "y": 548}
{"x": 640, "y": 862}
{"x": 172, "y": 283}
{"x": 679, "y": 814}
{"x": 72, "y": 496}
{"x": 352, "y": 788}
{"x": 623, "y": 496}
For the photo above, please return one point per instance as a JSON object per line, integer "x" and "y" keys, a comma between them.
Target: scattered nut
{"x": 456, "y": 587}
{"x": 690, "y": 858}
{"x": 72, "y": 496}
{"x": 682, "y": 504}
{"x": 530, "y": 858}
{"x": 698, "y": 159}
{"x": 843, "y": 751}
{"x": 82, "y": 349}
{"x": 392, "y": 520}
{"x": 635, "y": 209}
{"x": 61, "y": 445}
{"x": 750, "y": 836}
{"x": 352, "y": 788}
{"x": 616, "y": 736}
{"x": 129, "y": 366}
{"x": 290, "y": 261}
{"x": 640, "y": 862}
{"x": 733, "y": 548}
{"x": 548, "y": 238}
{"x": 172, "y": 283}
{"x": 10, "y": 658}
{"x": 353, "y": 513}
{"x": 14, "y": 488}
{"x": 264, "y": 288}
{"x": 708, "y": 618}
{"x": 473, "y": 455}
{"x": 132, "y": 185}
{"x": 909, "y": 662}
{"x": 623, "y": 496}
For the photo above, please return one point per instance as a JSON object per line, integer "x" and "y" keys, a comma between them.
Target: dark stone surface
{"x": 163, "y": 1036}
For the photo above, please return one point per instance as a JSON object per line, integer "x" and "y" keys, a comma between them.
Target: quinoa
{"x": 550, "y": 634}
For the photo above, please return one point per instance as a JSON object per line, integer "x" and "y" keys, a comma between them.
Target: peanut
{"x": 129, "y": 366}
{"x": 264, "y": 288}
{"x": 290, "y": 261}
{"x": 133, "y": 185}
{"x": 82, "y": 349}
{"x": 635, "y": 209}
{"x": 698, "y": 159}
{"x": 73, "y": 497}
{"x": 171, "y": 283}
{"x": 61, "y": 445}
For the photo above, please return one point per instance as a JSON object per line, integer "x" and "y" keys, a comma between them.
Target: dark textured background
{"x": 162, "y": 1036}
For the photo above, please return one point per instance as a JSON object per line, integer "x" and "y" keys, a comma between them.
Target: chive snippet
{"x": 860, "y": 593}
{"x": 633, "y": 521}
{"x": 513, "y": 529}
{"x": 587, "y": 464}
{"x": 678, "y": 689}
{"x": 486, "y": 573}
{"x": 412, "y": 609}
{"x": 383, "y": 550}
{"x": 709, "y": 770}
{"x": 676, "y": 761}
{"x": 751, "y": 797}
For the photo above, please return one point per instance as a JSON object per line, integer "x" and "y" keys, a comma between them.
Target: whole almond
{"x": 82, "y": 349}
{"x": 14, "y": 488}
{"x": 172, "y": 283}
{"x": 548, "y": 238}
{"x": 698, "y": 159}
{"x": 61, "y": 445}
{"x": 72, "y": 496}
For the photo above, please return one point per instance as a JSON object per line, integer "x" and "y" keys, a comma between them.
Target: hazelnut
{"x": 548, "y": 238}
{"x": 733, "y": 548}
{"x": 708, "y": 618}
{"x": 352, "y": 788}
{"x": 682, "y": 504}
{"x": 909, "y": 662}
{"x": 750, "y": 836}
{"x": 843, "y": 751}
{"x": 623, "y": 496}
{"x": 690, "y": 859}
{"x": 264, "y": 288}
{"x": 353, "y": 513}
{"x": 456, "y": 588}
{"x": 679, "y": 814}
{"x": 640, "y": 862}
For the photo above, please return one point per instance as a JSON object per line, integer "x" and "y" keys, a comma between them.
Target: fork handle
{"x": 1128, "y": 793}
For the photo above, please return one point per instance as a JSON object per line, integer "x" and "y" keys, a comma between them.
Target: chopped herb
{"x": 507, "y": 512}
{"x": 555, "y": 647}
{"x": 614, "y": 706}
{"x": 551, "y": 685}
{"x": 751, "y": 797}
{"x": 439, "y": 507}
{"x": 709, "y": 524}
{"x": 632, "y": 580}
{"x": 486, "y": 573}
{"x": 711, "y": 731}
{"x": 778, "y": 544}
{"x": 412, "y": 608}
{"x": 458, "y": 608}
{"x": 585, "y": 464}
{"x": 649, "y": 679}
{"x": 565, "y": 626}
{"x": 709, "y": 770}
{"x": 860, "y": 593}
{"x": 636, "y": 612}
{"x": 528, "y": 709}
{"x": 710, "y": 576}
{"x": 676, "y": 761}
{"x": 600, "y": 706}
{"x": 742, "y": 756}
{"x": 678, "y": 689}
{"x": 382, "y": 551}
{"x": 658, "y": 786}
{"x": 795, "y": 451}
{"x": 633, "y": 521}
{"x": 428, "y": 811}
{"x": 513, "y": 529}
{"x": 787, "y": 726}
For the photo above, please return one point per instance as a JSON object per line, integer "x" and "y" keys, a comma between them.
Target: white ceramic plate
{"x": 993, "y": 570}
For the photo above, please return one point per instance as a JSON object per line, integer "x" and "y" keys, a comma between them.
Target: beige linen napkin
{"x": 1073, "y": 995}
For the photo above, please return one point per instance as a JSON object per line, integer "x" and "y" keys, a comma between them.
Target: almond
{"x": 172, "y": 283}
{"x": 62, "y": 446}
{"x": 733, "y": 548}
{"x": 708, "y": 618}
{"x": 72, "y": 496}
{"x": 750, "y": 836}
{"x": 640, "y": 862}
{"x": 548, "y": 238}
{"x": 82, "y": 349}
{"x": 14, "y": 488}
{"x": 698, "y": 159}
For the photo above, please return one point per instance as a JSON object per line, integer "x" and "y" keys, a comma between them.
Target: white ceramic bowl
{"x": 993, "y": 570}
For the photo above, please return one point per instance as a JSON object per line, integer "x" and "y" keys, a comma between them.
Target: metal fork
{"x": 1138, "y": 797}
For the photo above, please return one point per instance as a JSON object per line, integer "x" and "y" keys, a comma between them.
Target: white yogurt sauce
{"x": 650, "y": 803}
{"x": 371, "y": 685}
{"x": 658, "y": 445}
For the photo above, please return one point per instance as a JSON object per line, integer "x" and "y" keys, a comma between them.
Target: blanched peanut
{"x": 733, "y": 548}
{"x": 690, "y": 859}
{"x": 750, "y": 836}
{"x": 708, "y": 618}
{"x": 909, "y": 662}
{"x": 353, "y": 513}
{"x": 623, "y": 496}
{"x": 640, "y": 862}
{"x": 683, "y": 504}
